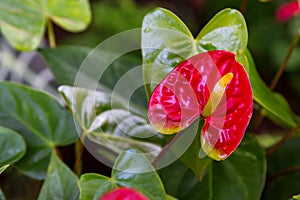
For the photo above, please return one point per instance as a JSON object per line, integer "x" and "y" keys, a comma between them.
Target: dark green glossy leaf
{"x": 93, "y": 186}
{"x": 35, "y": 161}
{"x": 166, "y": 174}
{"x": 191, "y": 157}
{"x": 23, "y": 22}
{"x": 241, "y": 176}
{"x": 161, "y": 31}
{"x": 66, "y": 64}
{"x": 34, "y": 115}
{"x": 60, "y": 182}
{"x": 227, "y": 30}
{"x": 131, "y": 169}
{"x": 274, "y": 104}
{"x": 185, "y": 146}
{"x": 285, "y": 157}
{"x": 38, "y": 112}
{"x": 36, "y": 152}
{"x": 108, "y": 123}
{"x": 12, "y": 146}
{"x": 166, "y": 41}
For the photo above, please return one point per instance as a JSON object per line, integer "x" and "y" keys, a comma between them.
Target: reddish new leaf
{"x": 211, "y": 85}
{"x": 123, "y": 194}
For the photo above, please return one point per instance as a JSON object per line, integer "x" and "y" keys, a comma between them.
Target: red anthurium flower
{"x": 211, "y": 85}
{"x": 288, "y": 10}
{"x": 123, "y": 194}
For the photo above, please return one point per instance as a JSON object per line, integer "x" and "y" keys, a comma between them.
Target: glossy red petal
{"x": 181, "y": 97}
{"x": 225, "y": 128}
{"x": 123, "y": 194}
{"x": 288, "y": 10}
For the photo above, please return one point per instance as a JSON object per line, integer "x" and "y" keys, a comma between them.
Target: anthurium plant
{"x": 173, "y": 116}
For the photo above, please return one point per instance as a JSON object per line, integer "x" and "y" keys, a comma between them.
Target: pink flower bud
{"x": 288, "y": 10}
{"x": 123, "y": 194}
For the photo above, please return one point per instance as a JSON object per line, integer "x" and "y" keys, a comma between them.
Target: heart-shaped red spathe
{"x": 212, "y": 85}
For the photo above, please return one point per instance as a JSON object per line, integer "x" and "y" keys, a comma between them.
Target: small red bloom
{"x": 211, "y": 85}
{"x": 288, "y": 10}
{"x": 123, "y": 194}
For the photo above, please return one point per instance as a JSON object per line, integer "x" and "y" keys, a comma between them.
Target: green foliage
{"x": 131, "y": 169}
{"x": 191, "y": 157}
{"x": 268, "y": 100}
{"x": 23, "y": 22}
{"x": 60, "y": 182}
{"x": 161, "y": 31}
{"x": 66, "y": 64}
{"x": 12, "y": 147}
{"x": 33, "y": 114}
{"x": 33, "y": 124}
{"x": 107, "y": 122}
{"x": 285, "y": 160}
{"x": 186, "y": 146}
{"x": 222, "y": 180}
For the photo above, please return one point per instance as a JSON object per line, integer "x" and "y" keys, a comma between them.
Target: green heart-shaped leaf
{"x": 34, "y": 114}
{"x": 131, "y": 169}
{"x": 60, "y": 182}
{"x": 166, "y": 41}
{"x": 67, "y": 63}
{"x": 92, "y": 186}
{"x": 12, "y": 146}
{"x": 227, "y": 30}
{"x": 274, "y": 104}
{"x": 23, "y": 22}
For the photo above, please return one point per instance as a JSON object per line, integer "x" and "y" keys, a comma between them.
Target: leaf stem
{"x": 243, "y": 6}
{"x": 78, "y": 155}
{"x": 210, "y": 181}
{"x": 283, "y": 139}
{"x": 51, "y": 34}
{"x": 275, "y": 80}
{"x": 58, "y": 153}
{"x": 166, "y": 149}
{"x": 285, "y": 61}
{"x": 283, "y": 172}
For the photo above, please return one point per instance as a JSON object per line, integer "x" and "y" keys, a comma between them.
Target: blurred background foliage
{"x": 269, "y": 41}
